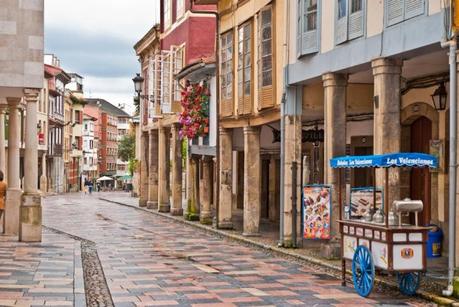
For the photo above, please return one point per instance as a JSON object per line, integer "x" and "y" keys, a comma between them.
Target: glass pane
{"x": 247, "y": 33}
{"x": 356, "y": 6}
{"x": 247, "y": 60}
{"x": 342, "y": 9}
{"x": 266, "y": 17}
{"x": 240, "y": 92}
{"x": 246, "y": 46}
{"x": 247, "y": 88}
{"x": 266, "y": 48}
{"x": 267, "y": 63}
{"x": 246, "y": 74}
{"x": 312, "y": 21}
{"x": 266, "y": 33}
{"x": 267, "y": 78}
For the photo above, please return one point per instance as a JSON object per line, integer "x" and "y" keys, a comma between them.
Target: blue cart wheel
{"x": 363, "y": 271}
{"x": 409, "y": 282}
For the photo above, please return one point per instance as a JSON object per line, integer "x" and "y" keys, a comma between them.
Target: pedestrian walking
{"x": 3, "y": 187}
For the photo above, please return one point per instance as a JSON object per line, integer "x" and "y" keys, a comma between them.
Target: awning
{"x": 105, "y": 178}
{"x": 386, "y": 160}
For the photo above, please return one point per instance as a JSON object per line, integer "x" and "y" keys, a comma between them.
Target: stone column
{"x": 205, "y": 188}
{"x": 252, "y": 181}
{"x": 386, "y": 122}
{"x": 176, "y": 184}
{"x": 163, "y": 192}
{"x": 273, "y": 200}
{"x": 335, "y": 136}
{"x": 43, "y": 177}
{"x": 30, "y": 213}
{"x": 143, "y": 197}
{"x": 152, "y": 202}
{"x": 192, "y": 208}
{"x": 2, "y": 142}
{"x": 14, "y": 192}
{"x": 224, "y": 214}
{"x": 292, "y": 180}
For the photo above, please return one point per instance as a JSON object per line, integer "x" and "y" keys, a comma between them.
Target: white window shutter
{"x": 394, "y": 11}
{"x": 356, "y": 21}
{"x": 414, "y": 8}
{"x": 310, "y": 42}
{"x": 341, "y": 25}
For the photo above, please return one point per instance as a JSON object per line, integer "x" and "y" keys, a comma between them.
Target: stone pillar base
{"x": 164, "y": 208}
{"x": 251, "y": 234}
{"x": 142, "y": 203}
{"x": 43, "y": 184}
{"x": 12, "y": 205}
{"x": 176, "y": 211}
{"x": 205, "y": 217}
{"x": 191, "y": 216}
{"x": 152, "y": 205}
{"x": 30, "y": 218}
{"x": 330, "y": 250}
{"x": 225, "y": 225}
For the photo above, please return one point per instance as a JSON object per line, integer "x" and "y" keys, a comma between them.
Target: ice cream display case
{"x": 378, "y": 236}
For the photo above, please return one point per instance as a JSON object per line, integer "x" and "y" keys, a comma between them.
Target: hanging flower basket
{"x": 194, "y": 118}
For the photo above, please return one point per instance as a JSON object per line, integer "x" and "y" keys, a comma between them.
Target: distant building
{"x": 56, "y": 88}
{"x": 106, "y": 130}
{"x": 90, "y": 169}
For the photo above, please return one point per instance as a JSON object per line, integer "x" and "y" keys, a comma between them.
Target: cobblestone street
{"x": 140, "y": 259}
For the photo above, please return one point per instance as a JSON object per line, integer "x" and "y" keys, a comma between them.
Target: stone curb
{"x": 442, "y": 301}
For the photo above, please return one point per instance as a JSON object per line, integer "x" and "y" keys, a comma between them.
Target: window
{"x": 227, "y": 72}
{"x": 397, "y": 11}
{"x": 180, "y": 8}
{"x": 166, "y": 84}
{"x": 244, "y": 68}
{"x": 167, "y": 14}
{"x": 349, "y": 20}
{"x": 265, "y": 48}
{"x": 178, "y": 65}
{"x": 308, "y": 36}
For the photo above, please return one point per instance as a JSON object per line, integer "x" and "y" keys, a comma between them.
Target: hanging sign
{"x": 316, "y": 212}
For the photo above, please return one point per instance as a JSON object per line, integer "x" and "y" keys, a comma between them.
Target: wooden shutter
{"x": 308, "y": 40}
{"x": 356, "y": 20}
{"x": 341, "y": 24}
{"x": 414, "y": 8}
{"x": 394, "y": 11}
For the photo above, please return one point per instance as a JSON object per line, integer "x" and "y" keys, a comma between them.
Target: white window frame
{"x": 308, "y": 40}
{"x": 180, "y": 8}
{"x": 227, "y": 57}
{"x": 167, "y": 13}
{"x": 353, "y": 24}
{"x": 402, "y": 6}
{"x": 261, "y": 55}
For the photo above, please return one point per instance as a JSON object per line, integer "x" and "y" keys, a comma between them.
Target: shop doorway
{"x": 421, "y": 134}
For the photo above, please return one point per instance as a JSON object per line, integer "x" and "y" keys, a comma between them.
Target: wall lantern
{"x": 138, "y": 81}
{"x": 439, "y": 97}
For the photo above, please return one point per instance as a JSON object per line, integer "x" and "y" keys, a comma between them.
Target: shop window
{"x": 226, "y": 74}
{"x": 350, "y": 17}
{"x": 245, "y": 68}
{"x": 397, "y": 11}
{"x": 308, "y": 35}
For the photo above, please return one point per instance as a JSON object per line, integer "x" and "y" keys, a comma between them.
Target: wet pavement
{"x": 148, "y": 260}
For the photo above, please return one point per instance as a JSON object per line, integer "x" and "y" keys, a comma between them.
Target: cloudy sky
{"x": 95, "y": 39}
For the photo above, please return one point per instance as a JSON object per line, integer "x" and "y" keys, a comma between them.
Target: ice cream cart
{"x": 383, "y": 241}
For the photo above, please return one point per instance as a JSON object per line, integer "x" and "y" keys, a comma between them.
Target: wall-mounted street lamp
{"x": 138, "y": 82}
{"x": 439, "y": 97}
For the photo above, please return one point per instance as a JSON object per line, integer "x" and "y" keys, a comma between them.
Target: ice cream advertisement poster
{"x": 316, "y": 212}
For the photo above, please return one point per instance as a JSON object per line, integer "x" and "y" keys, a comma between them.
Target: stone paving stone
{"x": 152, "y": 261}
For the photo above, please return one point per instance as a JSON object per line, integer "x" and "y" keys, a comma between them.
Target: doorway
{"x": 421, "y": 134}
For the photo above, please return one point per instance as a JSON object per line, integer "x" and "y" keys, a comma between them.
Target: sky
{"x": 95, "y": 39}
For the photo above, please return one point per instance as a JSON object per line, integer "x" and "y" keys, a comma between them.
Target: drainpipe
{"x": 282, "y": 125}
{"x": 217, "y": 96}
{"x": 452, "y": 44}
